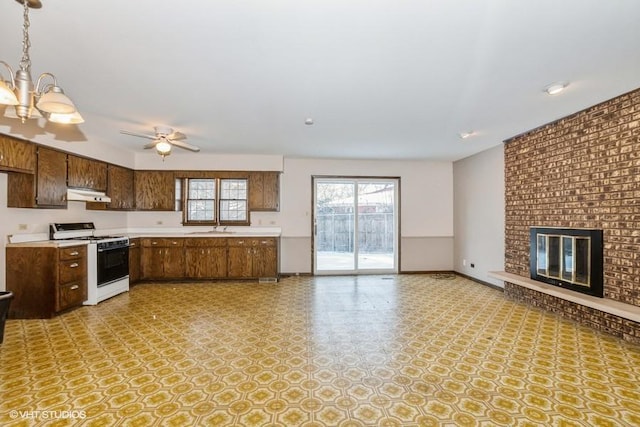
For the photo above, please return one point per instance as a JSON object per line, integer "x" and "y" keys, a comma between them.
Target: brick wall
{"x": 582, "y": 171}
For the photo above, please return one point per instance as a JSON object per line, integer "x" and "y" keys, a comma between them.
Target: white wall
{"x": 479, "y": 214}
{"x": 426, "y": 209}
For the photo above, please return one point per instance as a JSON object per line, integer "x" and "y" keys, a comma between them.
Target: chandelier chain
{"x": 25, "y": 63}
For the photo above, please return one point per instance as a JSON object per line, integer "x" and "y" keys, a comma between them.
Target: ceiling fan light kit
{"x": 164, "y": 140}
{"x": 26, "y": 100}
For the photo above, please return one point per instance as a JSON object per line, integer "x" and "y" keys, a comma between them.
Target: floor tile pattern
{"x": 408, "y": 350}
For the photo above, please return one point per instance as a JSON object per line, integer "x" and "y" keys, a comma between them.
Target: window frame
{"x": 217, "y": 202}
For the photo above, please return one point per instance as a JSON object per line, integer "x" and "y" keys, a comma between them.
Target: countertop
{"x": 41, "y": 239}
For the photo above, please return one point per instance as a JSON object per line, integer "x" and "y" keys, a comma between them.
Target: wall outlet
{"x": 472, "y": 265}
{"x": 23, "y": 227}
{"x": 159, "y": 222}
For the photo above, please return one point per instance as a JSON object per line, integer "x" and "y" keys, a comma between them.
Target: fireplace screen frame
{"x": 558, "y": 263}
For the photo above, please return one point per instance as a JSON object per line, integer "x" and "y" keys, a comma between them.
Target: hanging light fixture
{"x": 28, "y": 101}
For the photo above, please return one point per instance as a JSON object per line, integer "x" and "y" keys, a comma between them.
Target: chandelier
{"x": 28, "y": 101}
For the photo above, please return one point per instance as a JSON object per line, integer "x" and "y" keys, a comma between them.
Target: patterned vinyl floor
{"x": 409, "y": 350}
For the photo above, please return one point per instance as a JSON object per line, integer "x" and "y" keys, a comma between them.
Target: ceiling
{"x": 382, "y": 79}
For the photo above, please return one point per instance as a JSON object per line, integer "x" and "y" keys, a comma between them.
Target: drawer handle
{"x": 74, "y": 253}
{"x": 154, "y": 243}
{"x": 74, "y": 287}
{"x": 74, "y": 265}
{"x": 174, "y": 243}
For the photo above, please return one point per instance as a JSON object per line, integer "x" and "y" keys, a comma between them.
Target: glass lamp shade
{"x": 73, "y": 118}
{"x": 163, "y": 148}
{"x": 7, "y": 97}
{"x": 55, "y": 101}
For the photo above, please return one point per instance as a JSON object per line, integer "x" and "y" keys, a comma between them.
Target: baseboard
{"x": 482, "y": 282}
{"x": 295, "y": 274}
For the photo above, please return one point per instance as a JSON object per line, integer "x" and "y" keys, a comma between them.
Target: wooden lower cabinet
{"x": 134, "y": 261}
{"x": 253, "y": 257}
{"x": 46, "y": 280}
{"x": 207, "y": 258}
{"x": 162, "y": 258}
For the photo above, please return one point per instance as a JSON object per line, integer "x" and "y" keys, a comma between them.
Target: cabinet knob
{"x": 74, "y": 287}
{"x": 74, "y": 265}
{"x": 74, "y": 253}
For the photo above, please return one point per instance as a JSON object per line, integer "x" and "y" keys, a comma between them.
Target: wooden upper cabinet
{"x": 47, "y": 188}
{"x": 120, "y": 188}
{"x": 264, "y": 191}
{"x": 17, "y": 155}
{"x": 154, "y": 190}
{"x": 86, "y": 173}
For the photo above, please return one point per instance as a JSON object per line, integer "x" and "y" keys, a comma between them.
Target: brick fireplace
{"x": 580, "y": 172}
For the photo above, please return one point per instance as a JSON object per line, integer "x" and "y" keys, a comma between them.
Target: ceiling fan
{"x": 164, "y": 139}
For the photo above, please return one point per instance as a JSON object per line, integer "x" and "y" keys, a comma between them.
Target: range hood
{"x": 74, "y": 194}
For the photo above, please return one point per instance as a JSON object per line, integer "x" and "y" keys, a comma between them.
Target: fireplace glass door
{"x": 569, "y": 258}
{"x": 564, "y": 257}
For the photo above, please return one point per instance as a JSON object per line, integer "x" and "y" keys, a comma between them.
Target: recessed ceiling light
{"x": 308, "y": 121}
{"x": 465, "y": 135}
{"x": 556, "y": 88}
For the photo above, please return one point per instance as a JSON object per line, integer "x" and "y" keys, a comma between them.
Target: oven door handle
{"x": 112, "y": 249}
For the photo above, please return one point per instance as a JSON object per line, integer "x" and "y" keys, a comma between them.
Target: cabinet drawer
{"x": 266, "y": 241}
{"x": 206, "y": 242}
{"x": 72, "y": 270}
{"x": 162, "y": 242}
{"x": 71, "y": 295}
{"x": 72, "y": 252}
{"x": 253, "y": 241}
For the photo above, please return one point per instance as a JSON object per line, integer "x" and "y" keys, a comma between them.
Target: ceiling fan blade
{"x": 184, "y": 145}
{"x": 150, "y": 145}
{"x": 141, "y": 135}
{"x": 176, "y": 136}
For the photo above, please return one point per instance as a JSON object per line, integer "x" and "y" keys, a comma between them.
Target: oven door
{"x": 113, "y": 264}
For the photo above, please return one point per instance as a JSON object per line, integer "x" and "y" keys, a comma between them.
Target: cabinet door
{"x": 46, "y": 188}
{"x": 120, "y": 187}
{"x": 264, "y": 191}
{"x": 240, "y": 260}
{"x": 152, "y": 262}
{"x": 51, "y": 178}
{"x": 134, "y": 260}
{"x": 155, "y": 190}
{"x": 86, "y": 173}
{"x": 265, "y": 262}
{"x": 173, "y": 263}
{"x": 17, "y": 155}
{"x": 206, "y": 262}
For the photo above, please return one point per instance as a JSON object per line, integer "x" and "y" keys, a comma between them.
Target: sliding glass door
{"x": 355, "y": 225}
